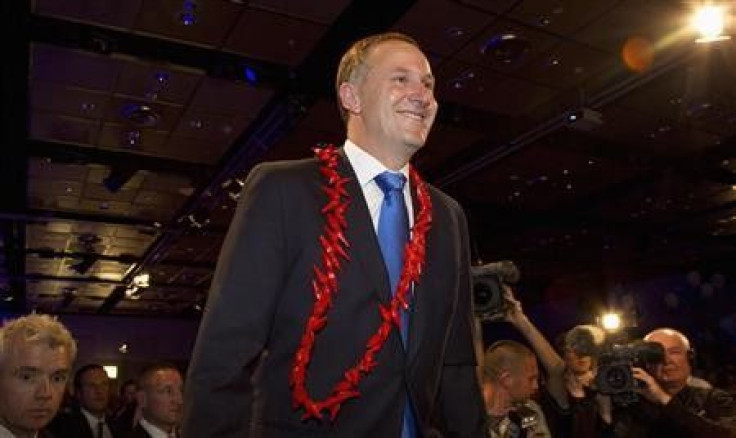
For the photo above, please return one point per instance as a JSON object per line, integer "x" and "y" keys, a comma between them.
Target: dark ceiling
{"x": 127, "y": 126}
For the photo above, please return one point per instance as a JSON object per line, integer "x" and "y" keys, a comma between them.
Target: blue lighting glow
{"x": 250, "y": 75}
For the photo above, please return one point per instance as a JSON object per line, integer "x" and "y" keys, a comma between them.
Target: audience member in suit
{"x": 160, "y": 397}
{"x": 127, "y": 414}
{"x": 89, "y": 417}
{"x": 322, "y": 323}
{"x": 36, "y": 356}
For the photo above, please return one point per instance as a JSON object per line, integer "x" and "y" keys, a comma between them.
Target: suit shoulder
{"x": 283, "y": 171}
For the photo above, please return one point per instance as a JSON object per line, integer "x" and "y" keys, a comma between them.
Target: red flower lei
{"x": 324, "y": 285}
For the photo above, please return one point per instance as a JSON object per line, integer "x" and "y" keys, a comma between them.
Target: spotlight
{"x": 141, "y": 280}
{"x": 709, "y": 22}
{"x": 611, "y": 321}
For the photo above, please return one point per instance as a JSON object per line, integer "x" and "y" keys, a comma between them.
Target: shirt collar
{"x": 153, "y": 430}
{"x": 91, "y": 418}
{"x": 5, "y": 433}
{"x": 365, "y": 165}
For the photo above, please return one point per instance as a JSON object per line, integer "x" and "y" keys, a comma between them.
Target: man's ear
{"x": 349, "y": 98}
{"x": 505, "y": 379}
{"x": 140, "y": 398}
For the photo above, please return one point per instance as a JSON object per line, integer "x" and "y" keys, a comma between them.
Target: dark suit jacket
{"x": 73, "y": 424}
{"x": 261, "y": 296}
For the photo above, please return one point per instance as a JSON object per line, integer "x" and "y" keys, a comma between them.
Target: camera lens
{"x": 482, "y": 295}
{"x": 617, "y": 378}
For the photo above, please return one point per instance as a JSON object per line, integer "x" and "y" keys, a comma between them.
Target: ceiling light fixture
{"x": 188, "y": 14}
{"x": 507, "y": 48}
{"x": 709, "y": 21}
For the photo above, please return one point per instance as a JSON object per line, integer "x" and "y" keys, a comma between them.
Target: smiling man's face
{"x": 396, "y": 93}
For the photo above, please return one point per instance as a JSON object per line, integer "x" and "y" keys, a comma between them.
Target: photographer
{"x": 671, "y": 406}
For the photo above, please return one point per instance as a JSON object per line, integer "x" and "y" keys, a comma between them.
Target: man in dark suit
{"x": 306, "y": 331}
{"x": 88, "y": 418}
{"x": 160, "y": 399}
{"x": 36, "y": 356}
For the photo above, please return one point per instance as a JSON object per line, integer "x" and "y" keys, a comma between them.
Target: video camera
{"x": 615, "y": 377}
{"x": 488, "y": 281}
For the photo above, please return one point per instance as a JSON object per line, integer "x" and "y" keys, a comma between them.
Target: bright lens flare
{"x": 611, "y": 321}
{"x": 708, "y": 20}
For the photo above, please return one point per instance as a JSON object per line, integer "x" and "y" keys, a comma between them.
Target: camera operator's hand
{"x": 651, "y": 389}
{"x": 514, "y": 313}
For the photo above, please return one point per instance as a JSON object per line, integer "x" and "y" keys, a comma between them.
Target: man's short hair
{"x": 81, "y": 372}
{"x": 145, "y": 375}
{"x": 352, "y": 64}
{"x": 36, "y": 329}
{"x": 503, "y": 356}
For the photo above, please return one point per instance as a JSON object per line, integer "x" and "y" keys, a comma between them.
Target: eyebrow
{"x": 400, "y": 69}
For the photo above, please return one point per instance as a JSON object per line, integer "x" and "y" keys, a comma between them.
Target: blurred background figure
{"x": 160, "y": 398}
{"x": 127, "y": 414}
{"x": 89, "y": 417}
{"x": 36, "y": 356}
{"x": 509, "y": 381}
{"x": 670, "y": 405}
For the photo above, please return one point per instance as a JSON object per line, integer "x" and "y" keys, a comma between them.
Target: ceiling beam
{"x": 102, "y": 40}
{"x": 73, "y": 154}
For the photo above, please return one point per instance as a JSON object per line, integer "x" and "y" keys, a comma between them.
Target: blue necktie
{"x": 393, "y": 233}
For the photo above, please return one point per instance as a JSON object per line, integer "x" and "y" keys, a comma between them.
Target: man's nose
{"x": 43, "y": 388}
{"x": 422, "y": 94}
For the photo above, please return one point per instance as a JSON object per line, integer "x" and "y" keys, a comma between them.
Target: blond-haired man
{"x": 36, "y": 356}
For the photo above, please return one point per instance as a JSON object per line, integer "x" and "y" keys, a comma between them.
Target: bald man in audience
{"x": 36, "y": 356}
{"x": 672, "y": 405}
{"x": 509, "y": 381}
{"x": 160, "y": 397}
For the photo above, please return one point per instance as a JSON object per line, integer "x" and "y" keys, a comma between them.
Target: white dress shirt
{"x": 94, "y": 421}
{"x": 154, "y": 431}
{"x": 366, "y": 168}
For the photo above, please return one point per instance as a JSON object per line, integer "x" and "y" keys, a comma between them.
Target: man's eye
{"x": 26, "y": 376}
{"x": 401, "y": 79}
{"x": 59, "y": 378}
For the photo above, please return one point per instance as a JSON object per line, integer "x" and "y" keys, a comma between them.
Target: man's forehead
{"x": 666, "y": 338}
{"x": 39, "y": 354}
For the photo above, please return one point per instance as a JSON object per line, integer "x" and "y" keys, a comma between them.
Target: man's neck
{"x": 390, "y": 159}
{"x": 500, "y": 404}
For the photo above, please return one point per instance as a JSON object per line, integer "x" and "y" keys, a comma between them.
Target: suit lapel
{"x": 361, "y": 235}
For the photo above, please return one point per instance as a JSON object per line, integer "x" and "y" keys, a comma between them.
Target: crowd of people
{"x": 36, "y": 364}
{"x": 341, "y": 306}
